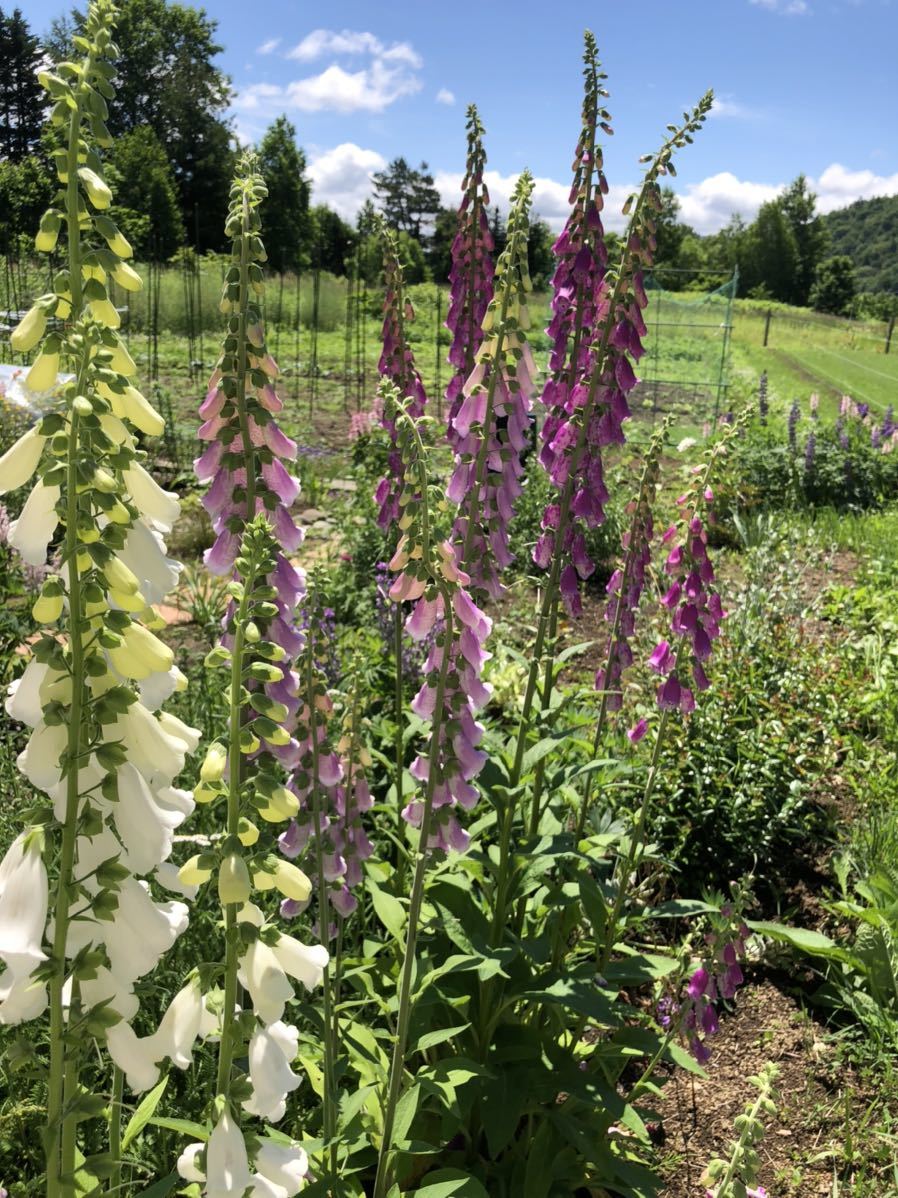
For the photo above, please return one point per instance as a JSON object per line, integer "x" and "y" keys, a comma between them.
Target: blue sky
{"x": 802, "y": 85}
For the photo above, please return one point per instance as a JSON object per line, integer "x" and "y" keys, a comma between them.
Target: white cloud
{"x": 724, "y": 107}
{"x": 390, "y": 74}
{"x": 708, "y": 205}
{"x": 270, "y": 46}
{"x": 787, "y": 8}
{"x": 445, "y": 96}
{"x": 550, "y": 198}
{"x": 838, "y": 186}
{"x": 351, "y": 43}
{"x": 341, "y": 176}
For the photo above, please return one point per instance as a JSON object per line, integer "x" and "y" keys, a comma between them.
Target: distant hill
{"x": 868, "y": 232}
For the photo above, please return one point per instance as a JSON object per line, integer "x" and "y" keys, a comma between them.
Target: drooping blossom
{"x": 491, "y": 420}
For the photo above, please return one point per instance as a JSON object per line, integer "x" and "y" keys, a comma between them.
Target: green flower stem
{"x": 60, "y": 1156}
{"x": 399, "y": 700}
{"x": 115, "y": 1127}
{"x": 397, "y": 1065}
{"x": 235, "y": 716}
{"x": 330, "y": 1063}
{"x": 480, "y": 468}
{"x": 248, "y": 448}
{"x": 634, "y": 850}
{"x": 235, "y": 724}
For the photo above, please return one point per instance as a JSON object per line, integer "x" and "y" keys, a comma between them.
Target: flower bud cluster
{"x": 492, "y": 420}
{"x": 397, "y": 365}
{"x": 241, "y": 402}
{"x": 331, "y": 789}
{"x": 428, "y": 573}
{"x": 471, "y": 273}
{"x": 626, "y": 584}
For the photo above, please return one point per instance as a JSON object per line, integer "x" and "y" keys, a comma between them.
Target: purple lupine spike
{"x": 888, "y": 422}
{"x": 492, "y": 419}
{"x": 794, "y": 417}
{"x": 397, "y": 363}
{"x": 470, "y": 276}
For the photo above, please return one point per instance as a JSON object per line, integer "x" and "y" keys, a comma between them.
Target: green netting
{"x": 685, "y": 369}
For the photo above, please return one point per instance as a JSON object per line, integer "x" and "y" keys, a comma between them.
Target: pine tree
{"x": 407, "y": 197}
{"x": 287, "y": 219}
{"x": 21, "y": 96}
{"x": 799, "y": 205}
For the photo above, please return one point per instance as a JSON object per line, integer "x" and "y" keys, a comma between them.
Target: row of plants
{"x": 483, "y": 995}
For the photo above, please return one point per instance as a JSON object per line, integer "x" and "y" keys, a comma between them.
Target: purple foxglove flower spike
{"x": 397, "y": 364}
{"x": 470, "y": 276}
{"x": 491, "y": 421}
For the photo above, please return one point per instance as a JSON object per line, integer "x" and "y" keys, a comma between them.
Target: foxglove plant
{"x": 249, "y": 499}
{"x": 737, "y": 1176}
{"x": 428, "y": 573}
{"x": 98, "y": 675}
{"x": 471, "y": 274}
{"x": 491, "y": 421}
{"x": 599, "y": 407}
{"x": 397, "y": 364}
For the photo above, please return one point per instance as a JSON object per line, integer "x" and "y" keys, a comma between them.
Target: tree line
{"x": 172, "y": 157}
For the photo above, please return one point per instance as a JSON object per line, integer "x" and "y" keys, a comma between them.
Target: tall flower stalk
{"x": 600, "y": 407}
{"x": 491, "y": 421}
{"x": 470, "y": 276}
{"x": 427, "y": 572}
{"x": 98, "y": 673}
{"x": 249, "y": 499}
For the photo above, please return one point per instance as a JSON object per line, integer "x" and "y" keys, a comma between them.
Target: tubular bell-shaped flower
{"x": 397, "y": 364}
{"x": 491, "y": 423}
{"x": 470, "y": 276}
{"x": 427, "y": 571}
{"x": 112, "y": 808}
{"x": 250, "y": 498}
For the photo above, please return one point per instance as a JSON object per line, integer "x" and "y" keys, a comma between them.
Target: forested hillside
{"x": 867, "y": 231}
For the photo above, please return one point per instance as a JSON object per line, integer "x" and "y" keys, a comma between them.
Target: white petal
{"x": 180, "y": 1026}
{"x": 144, "y": 555}
{"x": 32, "y": 532}
{"x": 187, "y": 1166}
{"x": 305, "y": 962}
{"x": 21, "y": 998}
{"x": 284, "y": 1164}
{"x": 266, "y": 981}
{"x": 24, "y": 895}
{"x": 158, "y": 507}
{"x": 150, "y": 747}
{"x": 146, "y": 827}
{"x": 133, "y": 1056}
{"x": 159, "y": 688}
{"x": 106, "y": 987}
{"x": 167, "y": 876}
{"x": 227, "y": 1166}
{"x": 271, "y": 1049}
{"x": 20, "y": 461}
{"x": 142, "y": 930}
{"x": 24, "y": 703}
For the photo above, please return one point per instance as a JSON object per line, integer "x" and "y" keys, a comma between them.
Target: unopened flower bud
{"x": 29, "y": 330}
{"x": 233, "y": 880}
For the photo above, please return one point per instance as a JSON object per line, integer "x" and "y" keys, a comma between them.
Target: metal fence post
{"x": 767, "y": 325}
{"x": 889, "y": 334}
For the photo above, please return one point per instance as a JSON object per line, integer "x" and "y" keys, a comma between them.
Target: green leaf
{"x": 160, "y": 1189}
{"x": 803, "y": 939}
{"x": 578, "y": 994}
{"x": 538, "y": 1178}
{"x": 684, "y": 1059}
{"x": 406, "y": 1109}
{"x": 187, "y": 1127}
{"x": 642, "y": 967}
{"x": 502, "y": 1104}
{"x": 440, "y": 1036}
{"x": 537, "y": 752}
{"x": 389, "y": 911}
{"x": 144, "y": 1113}
{"x": 451, "y": 1183}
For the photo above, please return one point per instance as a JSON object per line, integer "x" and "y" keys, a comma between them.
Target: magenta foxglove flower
{"x": 695, "y": 607}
